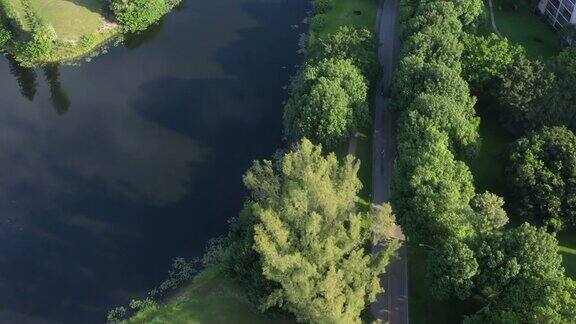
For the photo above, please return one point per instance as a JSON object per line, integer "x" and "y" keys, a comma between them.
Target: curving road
{"x": 392, "y": 305}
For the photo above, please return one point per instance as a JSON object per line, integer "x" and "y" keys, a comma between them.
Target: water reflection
{"x": 59, "y": 98}
{"x": 26, "y": 78}
{"x": 146, "y": 163}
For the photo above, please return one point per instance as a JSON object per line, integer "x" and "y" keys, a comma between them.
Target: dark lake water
{"x": 111, "y": 169}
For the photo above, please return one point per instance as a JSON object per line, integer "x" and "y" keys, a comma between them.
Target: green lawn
{"x": 568, "y": 250}
{"x": 488, "y": 166}
{"x": 526, "y": 28}
{"x": 423, "y": 307}
{"x": 210, "y": 298}
{"x": 359, "y": 13}
{"x": 71, "y": 19}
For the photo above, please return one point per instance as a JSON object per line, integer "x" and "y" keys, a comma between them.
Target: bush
{"x": 5, "y": 36}
{"x": 319, "y": 22}
{"x": 322, "y": 6}
{"x": 137, "y": 15}
{"x": 40, "y": 45}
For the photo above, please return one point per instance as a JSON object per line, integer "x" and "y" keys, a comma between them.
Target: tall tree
{"x": 311, "y": 238}
{"x": 356, "y": 44}
{"x": 543, "y": 174}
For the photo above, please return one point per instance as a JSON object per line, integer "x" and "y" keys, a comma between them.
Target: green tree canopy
{"x": 414, "y": 76}
{"x": 356, "y": 44}
{"x": 436, "y": 46}
{"x": 522, "y": 279}
{"x": 137, "y": 15}
{"x": 452, "y": 268}
{"x": 486, "y": 57}
{"x": 431, "y": 190}
{"x": 543, "y": 174}
{"x": 328, "y": 103}
{"x": 457, "y": 119}
{"x": 311, "y": 238}
{"x": 440, "y": 15}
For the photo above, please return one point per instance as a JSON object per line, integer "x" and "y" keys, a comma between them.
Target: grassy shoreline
{"x": 41, "y": 32}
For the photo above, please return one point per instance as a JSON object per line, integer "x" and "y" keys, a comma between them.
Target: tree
{"x": 435, "y": 46}
{"x": 468, "y": 10}
{"x": 488, "y": 213}
{"x": 431, "y": 190}
{"x": 414, "y": 76}
{"x": 424, "y": 15}
{"x": 328, "y": 103}
{"x": 560, "y": 99}
{"x": 457, "y": 119}
{"x": 452, "y": 268}
{"x": 311, "y": 238}
{"x": 137, "y": 15}
{"x": 522, "y": 89}
{"x": 356, "y": 44}
{"x": 522, "y": 279}
{"x": 543, "y": 174}
{"x": 486, "y": 57}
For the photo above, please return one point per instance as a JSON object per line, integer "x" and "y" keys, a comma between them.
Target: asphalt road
{"x": 392, "y": 305}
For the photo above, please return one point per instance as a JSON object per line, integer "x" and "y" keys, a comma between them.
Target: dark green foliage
{"x": 431, "y": 190}
{"x": 522, "y": 89}
{"x": 452, "y": 270}
{"x": 522, "y": 279}
{"x": 137, "y": 15}
{"x": 424, "y": 15}
{"x": 543, "y": 174}
{"x": 356, "y": 44}
{"x": 533, "y": 95}
{"x": 434, "y": 45}
{"x": 319, "y": 21}
{"x": 5, "y": 36}
{"x": 323, "y": 6}
{"x": 328, "y": 103}
{"x": 472, "y": 254}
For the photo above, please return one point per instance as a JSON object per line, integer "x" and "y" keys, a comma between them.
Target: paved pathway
{"x": 392, "y": 306}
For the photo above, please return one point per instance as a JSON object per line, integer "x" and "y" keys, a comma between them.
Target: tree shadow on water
{"x": 27, "y": 80}
{"x": 58, "y": 96}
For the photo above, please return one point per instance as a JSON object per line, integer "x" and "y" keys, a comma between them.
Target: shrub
{"x": 319, "y": 22}
{"x": 40, "y": 45}
{"x": 5, "y": 36}
{"x": 322, "y": 6}
{"x": 137, "y": 15}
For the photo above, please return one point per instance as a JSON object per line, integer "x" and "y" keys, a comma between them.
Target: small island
{"x": 39, "y": 32}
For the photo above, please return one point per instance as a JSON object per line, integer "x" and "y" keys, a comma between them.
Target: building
{"x": 559, "y": 13}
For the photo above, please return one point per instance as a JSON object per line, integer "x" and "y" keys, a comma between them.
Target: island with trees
{"x": 38, "y": 32}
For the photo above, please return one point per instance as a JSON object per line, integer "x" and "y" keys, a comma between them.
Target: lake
{"x": 111, "y": 169}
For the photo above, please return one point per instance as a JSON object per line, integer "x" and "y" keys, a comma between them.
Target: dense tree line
{"x": 516, "y": 274}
